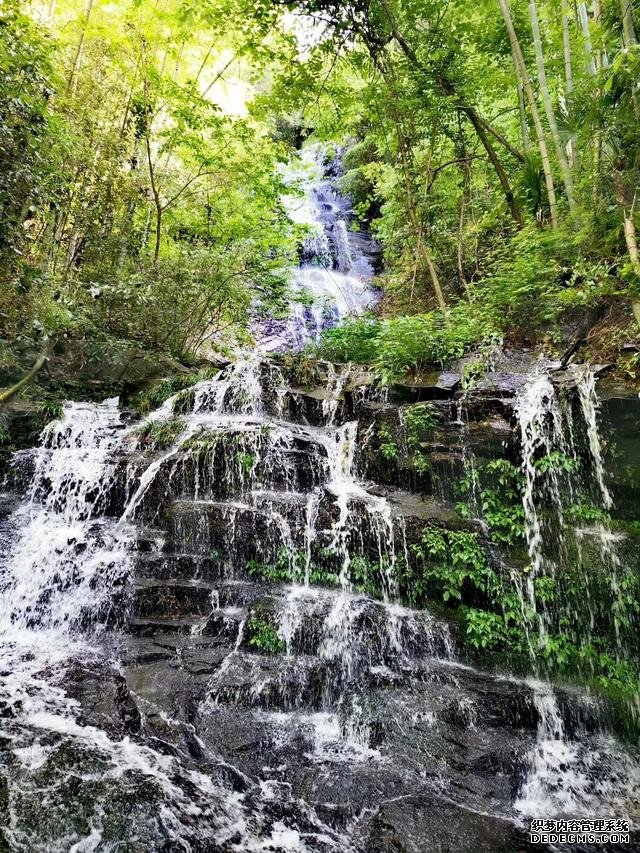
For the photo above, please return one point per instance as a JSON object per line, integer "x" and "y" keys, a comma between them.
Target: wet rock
{"x": 403, "y": 825}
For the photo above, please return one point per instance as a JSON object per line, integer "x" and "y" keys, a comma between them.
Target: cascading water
{"x": 203, "y": 642}
{"x": 334, "y": 278}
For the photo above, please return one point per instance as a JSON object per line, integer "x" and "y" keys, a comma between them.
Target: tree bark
{"x": 512, "y": 203}
{"x": 156, "y": 201}
{"x": 548, "y": 107}
{"x": 586, "y": 35}
{"x": 628, "y": 28}
{"x": 524, "y": 130}
{"x": 521, "y": 68}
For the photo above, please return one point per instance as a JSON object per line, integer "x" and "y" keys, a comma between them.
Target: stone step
{"x": 221, "y": 625}
{"x": 156, "y": 567}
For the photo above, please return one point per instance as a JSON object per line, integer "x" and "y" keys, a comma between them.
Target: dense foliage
{"x": 493, "y": 149}
{"x": 138, "y": 198}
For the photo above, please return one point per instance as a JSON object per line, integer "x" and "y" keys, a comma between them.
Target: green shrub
{"x": 160, "y": 435}
{"x": 386, "y": 443}
{"x": 264, "y": 636}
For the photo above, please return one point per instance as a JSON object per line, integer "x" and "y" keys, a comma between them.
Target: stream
{"x": 206, "y": 646}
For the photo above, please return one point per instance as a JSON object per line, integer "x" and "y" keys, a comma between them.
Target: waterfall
{"x": 67, "y": 557}
{"x": 207, "y": 638}
{"x": 334, "y": 278}
{"x": 569, "y": 777}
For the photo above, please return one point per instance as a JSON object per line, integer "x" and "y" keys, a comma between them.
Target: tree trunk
{"x": 628, "y": 28}
{"x": 156, "y": 201}
{"x": 480, "y": 124}
{"x": 548, "y": 107}
{"x": 158, "y": 235}
{"x": 586, "y": 34}
{"x": 78, "y": 53}
{"x": 421, "y": 248}
{"x": 512, "y": 203}
{"x": 568, "y": 72}
{"x": 630, "y": 236}
{"x": 524, "y": 130}
{"x": 630, "y": 40}
{"x": 632, "y": 248}
{"x": 521, "y": 68}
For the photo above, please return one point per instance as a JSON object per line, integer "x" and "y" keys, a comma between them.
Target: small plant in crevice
{"x": 417, "y": 420}
{"x": 387, "y": 444}
{"x": 5, "y": 434}
{"x": 290, "y": 568}
{"x": 482, "y": 363}
{"x": 160, "y": 435}
{"x": 278, "y": 572}
{"x": 585, "y": 512}
{"x": 49, "y": 411}
{"x": 449, "y": 564}
{"x": 245, "y": 461}
{"x": 263, "y": 635}
{"x": 184, "y": 401}
{"x": 366, "y": 576}
{"x": 557, "y": 463}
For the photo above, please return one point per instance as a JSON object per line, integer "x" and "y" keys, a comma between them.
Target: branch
{"x": 186, "y": 186}
{"x": 5, "y": 396}
{"x": 450, "y": 163}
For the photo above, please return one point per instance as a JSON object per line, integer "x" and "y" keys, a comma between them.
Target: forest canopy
{"x": 491, "y": 147}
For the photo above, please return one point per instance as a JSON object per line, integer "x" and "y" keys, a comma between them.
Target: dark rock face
{"x": 268, "y": 679}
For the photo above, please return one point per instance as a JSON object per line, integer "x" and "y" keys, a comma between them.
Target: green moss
{"x": 160, "y": 435}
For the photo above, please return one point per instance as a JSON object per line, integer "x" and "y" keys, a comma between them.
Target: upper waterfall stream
{"x": 216, "y": 644}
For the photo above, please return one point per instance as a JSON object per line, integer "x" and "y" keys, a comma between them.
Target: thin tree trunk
{"x": 630, "y": 236}
{"x": 157, "y": 202}
{"x": 586, "y": 35}
{"x": 548, "y": 107}
{"x": 628, "y": 28}
{"x": 521, "y": 68}
{"x": 568, "y": 72}
{"x": 421, "y": 248}
{"x": 78, "y": 54}
{"x": 634, "y": 256}
{"x": 630, "y": 40}
{"x": 480, "y": 124}
{"x": 511, "y": 200}
{"x": 597, "y": 57}
{"x": 499, "y": 136}
{"x": 524, "y": 130}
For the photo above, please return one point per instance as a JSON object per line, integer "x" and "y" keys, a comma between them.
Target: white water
{"x": 573, "y": 777}
{"x": 590, "y": 774}
{"x": 70, "y": 560}
{"x": 334, "y": 280}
